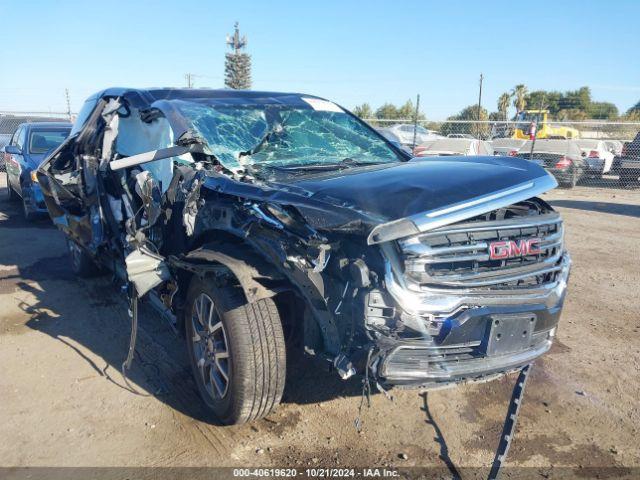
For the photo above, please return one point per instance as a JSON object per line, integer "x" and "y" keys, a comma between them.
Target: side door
{"x": 14, "y": 158}
{"x": 62, "y": 181}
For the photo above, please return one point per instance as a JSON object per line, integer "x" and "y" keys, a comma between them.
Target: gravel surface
{"x": 62, "y": 341}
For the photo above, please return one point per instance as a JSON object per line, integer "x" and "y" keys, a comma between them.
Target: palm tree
{"x": 503, "y": 104}
{"x": 519, "y": 93}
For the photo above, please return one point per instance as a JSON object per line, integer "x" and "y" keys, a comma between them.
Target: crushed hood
{"x": 399, "y": 190}
{"x": 403, "y": 198}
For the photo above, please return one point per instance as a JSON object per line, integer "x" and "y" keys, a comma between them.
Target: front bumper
{"x": 628, "y": 164}
{"x": 34, "y": 198}
{"x": 481, "y": 336}
{"x": 561, "y": 175}
{"x": 465, "y": 349}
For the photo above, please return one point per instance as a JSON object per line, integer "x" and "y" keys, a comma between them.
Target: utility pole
{"x": 415, "y": 122}
{"x": 66, "y": 94}
{"x": 479, "y": 104}
{"x": 189, "y": 78}
{"x": 535, "y": 133}
{"x": 237, "y": 65}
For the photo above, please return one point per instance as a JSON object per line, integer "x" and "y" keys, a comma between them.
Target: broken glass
{"x": 285, "y": 136}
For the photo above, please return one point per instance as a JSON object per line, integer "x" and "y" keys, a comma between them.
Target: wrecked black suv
{"x": 249, "y": 217}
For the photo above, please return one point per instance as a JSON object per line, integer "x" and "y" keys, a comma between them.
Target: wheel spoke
{"x": 198, "y": 335}
{"x": 221, "y": 369}
{"x": 216, "y": 327}
{"x": 210, "y": 316}
{"x": 216, "y": 383}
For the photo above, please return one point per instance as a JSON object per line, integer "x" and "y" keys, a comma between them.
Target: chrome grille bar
{"x": 458, "y": 256}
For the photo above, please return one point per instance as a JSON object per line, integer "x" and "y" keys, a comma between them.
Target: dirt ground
{"x": 63, "y": 401}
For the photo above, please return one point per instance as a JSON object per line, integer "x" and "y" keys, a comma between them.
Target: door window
{"x": 18, "y": 138}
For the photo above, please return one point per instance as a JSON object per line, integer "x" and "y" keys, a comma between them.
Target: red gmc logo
{"x": 513, "y": 248}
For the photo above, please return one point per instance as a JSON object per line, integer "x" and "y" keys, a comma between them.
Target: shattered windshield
{"x": 285, "y": 136}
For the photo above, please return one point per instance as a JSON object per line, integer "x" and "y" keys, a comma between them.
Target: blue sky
{"x": 348, "y": 51}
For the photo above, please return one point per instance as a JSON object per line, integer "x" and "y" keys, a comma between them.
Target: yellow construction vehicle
{"x": 527, "y": 118}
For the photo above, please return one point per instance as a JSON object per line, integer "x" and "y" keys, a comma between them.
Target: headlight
{"x": 34, "y": 178}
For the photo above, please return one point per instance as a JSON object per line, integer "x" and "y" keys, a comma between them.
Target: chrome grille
{"x": 458, "y": 256}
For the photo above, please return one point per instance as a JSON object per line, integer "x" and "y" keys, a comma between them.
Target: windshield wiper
{"x": 344, "y": 164}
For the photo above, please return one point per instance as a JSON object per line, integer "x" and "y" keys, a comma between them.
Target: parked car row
{"x": 568, "y": 160}
{"x": 627, "y": 164}
{"x": 562, "y": 158}
{"x": 406, "y": 134}
{"x": 453, "y": 146}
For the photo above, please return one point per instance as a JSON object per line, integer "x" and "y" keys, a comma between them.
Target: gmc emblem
{"x": 512, "y": 248}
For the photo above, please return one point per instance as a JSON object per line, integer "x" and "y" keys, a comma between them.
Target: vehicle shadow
{"x": 439, "y": 437}
{"x": 160, "y": 367}
{"x": 600, "y": 207}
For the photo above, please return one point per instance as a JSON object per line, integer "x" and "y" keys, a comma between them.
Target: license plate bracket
{"x": 510, "y": 333}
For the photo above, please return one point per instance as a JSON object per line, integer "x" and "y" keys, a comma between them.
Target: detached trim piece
{"x": 152, "y": 156}
{"x": 430, "y": 220}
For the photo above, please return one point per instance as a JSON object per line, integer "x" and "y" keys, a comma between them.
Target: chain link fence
{"x": 579, "y": 154}
{"x": 10, "y": 121}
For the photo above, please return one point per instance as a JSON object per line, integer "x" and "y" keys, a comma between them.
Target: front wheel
{"x": 236, "y": 349}
{"x": 570, "y": 181}
{"x": 27, "y": 209}
{"x": 629, "y": 178}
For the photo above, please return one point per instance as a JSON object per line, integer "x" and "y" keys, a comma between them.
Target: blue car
{"x": 27, "y": 149}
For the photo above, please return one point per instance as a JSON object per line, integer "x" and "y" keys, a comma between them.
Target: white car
{"x": 507, "y": 147}
{"x": 614, "y": 146}
{"x": 597, "y": 155}
{"x": 453, "y": 146}
{"x": 403, "y": 134}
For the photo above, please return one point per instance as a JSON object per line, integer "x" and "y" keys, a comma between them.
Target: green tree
{"x": 504, "y": 101}
{"x": 634, "y": 110}
{"x": 603, "y": 111}
{"x": 469, "y": 114}
{"x": 237, "y": 71}
{"x": 567, "y": 114}
{"x": 545, "y": 100}
{"x": 237, "y": 65}
{"x": 576, "y": 99}
{"x": 387, "y": 110}
{"x": 363, "y": 111}
{"x": 406, "y": 112}
{"x": 519, "y": 94}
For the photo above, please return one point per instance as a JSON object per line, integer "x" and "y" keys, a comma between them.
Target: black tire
{"x": 629, "y": 178}
{"x": 81, "y": 262}
{"x": 29, "y": 214}
{"x": 569, "y": 182}
{"x": 255, "y": 360}
{"x": 11, "y": 195}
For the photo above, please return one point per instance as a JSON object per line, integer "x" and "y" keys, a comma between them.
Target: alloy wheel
{"x": 210, "y": 347}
